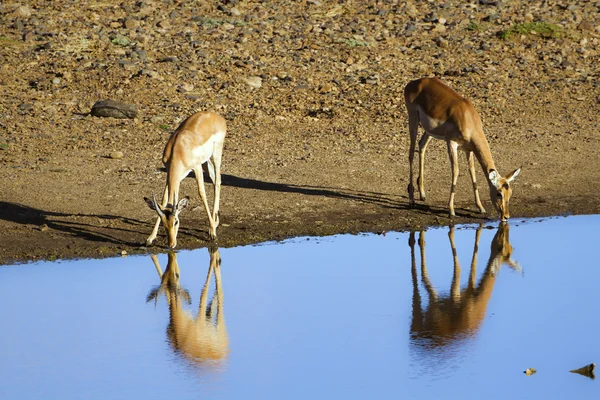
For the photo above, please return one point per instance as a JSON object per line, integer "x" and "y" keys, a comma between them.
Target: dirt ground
{"x": 312, "y": 91}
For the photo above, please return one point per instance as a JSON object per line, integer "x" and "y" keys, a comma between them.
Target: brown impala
{"x": 459, "y": 315}
{"x": 446, "y": 115}
{"x": 197, "y": 142}
{"x": 203, "y": 339}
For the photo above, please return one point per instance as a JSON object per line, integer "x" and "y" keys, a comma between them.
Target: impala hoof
{"x": 149, "y": 242}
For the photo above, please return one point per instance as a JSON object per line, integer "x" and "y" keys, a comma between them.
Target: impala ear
{"x": 513, "y": 175}
{"x": 182, "y": 204}
{"x": 494, "y": 178}
{"x": 150, "y": 203}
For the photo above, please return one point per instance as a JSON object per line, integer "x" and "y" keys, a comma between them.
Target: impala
{"x": 203, "y": 339}
{"x": 458, "y": 316}
{"x": 444, "y": 114}
{"x": 197, "y": 142}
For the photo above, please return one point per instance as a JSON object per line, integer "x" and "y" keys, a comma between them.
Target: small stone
{"x": 536, "y": 186}
{"x": 131, "y": 23}
{"x": 326, "y": 88}
{"x": 529, "y": 371}
{"x": 43, "y": 227}
{"x": 169, "y": 59}
{"x": 123, "y": 253}
{"x": 22, "y": 12}
{"x": 585, "y": 25}
{"x": 443, "y": 43}
{"x": 528, "y": 17}
{"x": 254, "y": 81}
{"x": 116, "y": 155}
{"x": 587, "y": 370}
{"x": 142, "y": 54}
{"x": 235, "y": 12}
{"x": 56, "y": 81}
{"x": 440, "y": 28}
{"x": 185, "y": 87}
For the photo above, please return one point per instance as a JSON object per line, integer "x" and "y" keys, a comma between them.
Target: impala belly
{"x": 434, "y": 127}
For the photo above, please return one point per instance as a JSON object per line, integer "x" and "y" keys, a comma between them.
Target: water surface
{"x": 336, "y": 317}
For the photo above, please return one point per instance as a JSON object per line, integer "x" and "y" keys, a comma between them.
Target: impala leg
{"x": 473, "y": 273}
{"x": 417, "y": 318}
{"x": 421, "y": 179}
{"x": 453, "y": 153}
{"x": 431, "y": 292}
{"x": 157, "y": 223}
{"x": 217, "y": 184}
{"x": 413, "y": 130}
{"x": 204, "y": 295}
{"x": 202, "y": 191}
{"x": 455, "y": 288}
{"x": 471, "y": 159}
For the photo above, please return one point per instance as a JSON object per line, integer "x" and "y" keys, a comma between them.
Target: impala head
{"x": 169, "y": 216}
{"x": 500, "y": 191}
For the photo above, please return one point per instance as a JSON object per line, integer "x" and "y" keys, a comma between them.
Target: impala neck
{"x": 481, "y": 148}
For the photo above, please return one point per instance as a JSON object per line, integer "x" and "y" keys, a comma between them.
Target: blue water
{"x": 322, "y": 318}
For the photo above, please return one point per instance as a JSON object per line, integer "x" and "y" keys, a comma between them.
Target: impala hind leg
{"x": 413, "y": 130}
{"x": 152, "y": 236}
{"x": 212, "y": 231}
{"x": 471, "y": 159}
{"x": 421, "y": 178}
{"x": 453, "y": 154}
{"x": 216, "y": 158}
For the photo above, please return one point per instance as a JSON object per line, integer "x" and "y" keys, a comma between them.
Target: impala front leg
{"x": 413, "y": 130}
{"x": 471, "y": 160}
{"x": 453, "y": 153}
{"x": 157, "y": 223}
{"x": 421, "y": 179}
{"x": 212, "y": 230}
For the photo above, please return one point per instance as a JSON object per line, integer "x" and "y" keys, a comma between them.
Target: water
{"x": 336, "y": 317}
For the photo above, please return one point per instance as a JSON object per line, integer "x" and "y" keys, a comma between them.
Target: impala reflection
{"x": 200, "y": 339}
{"x": 451, "y": 320}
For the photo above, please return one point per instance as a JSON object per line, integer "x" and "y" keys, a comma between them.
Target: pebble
{"x": 254, "y": 81}
{"x": 22, "y": 12}
{"x": 116, "y": 155}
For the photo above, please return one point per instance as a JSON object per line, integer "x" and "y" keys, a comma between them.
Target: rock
{"x": 235, "y": 12}
{"x": 142, "y": 54}
{"x": 185, "y": 87}
{"x": 588, "y": 371}
{"x": 112, "y": 108}
{"x": 254, "y": 81}
{"x": 585, "y": 25}
{"x": 131, "y": 23}
{"x": 169, "y": 59}
{"x": 26, "y": 108}
{"x": 43, "y": 227}
{"x": 326, "y": 88}
{"x": 22, "y": 12}
{"x": 530, "y": 371}
{"x": 443, "y": 43}
{"x": 116, "y": 155}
